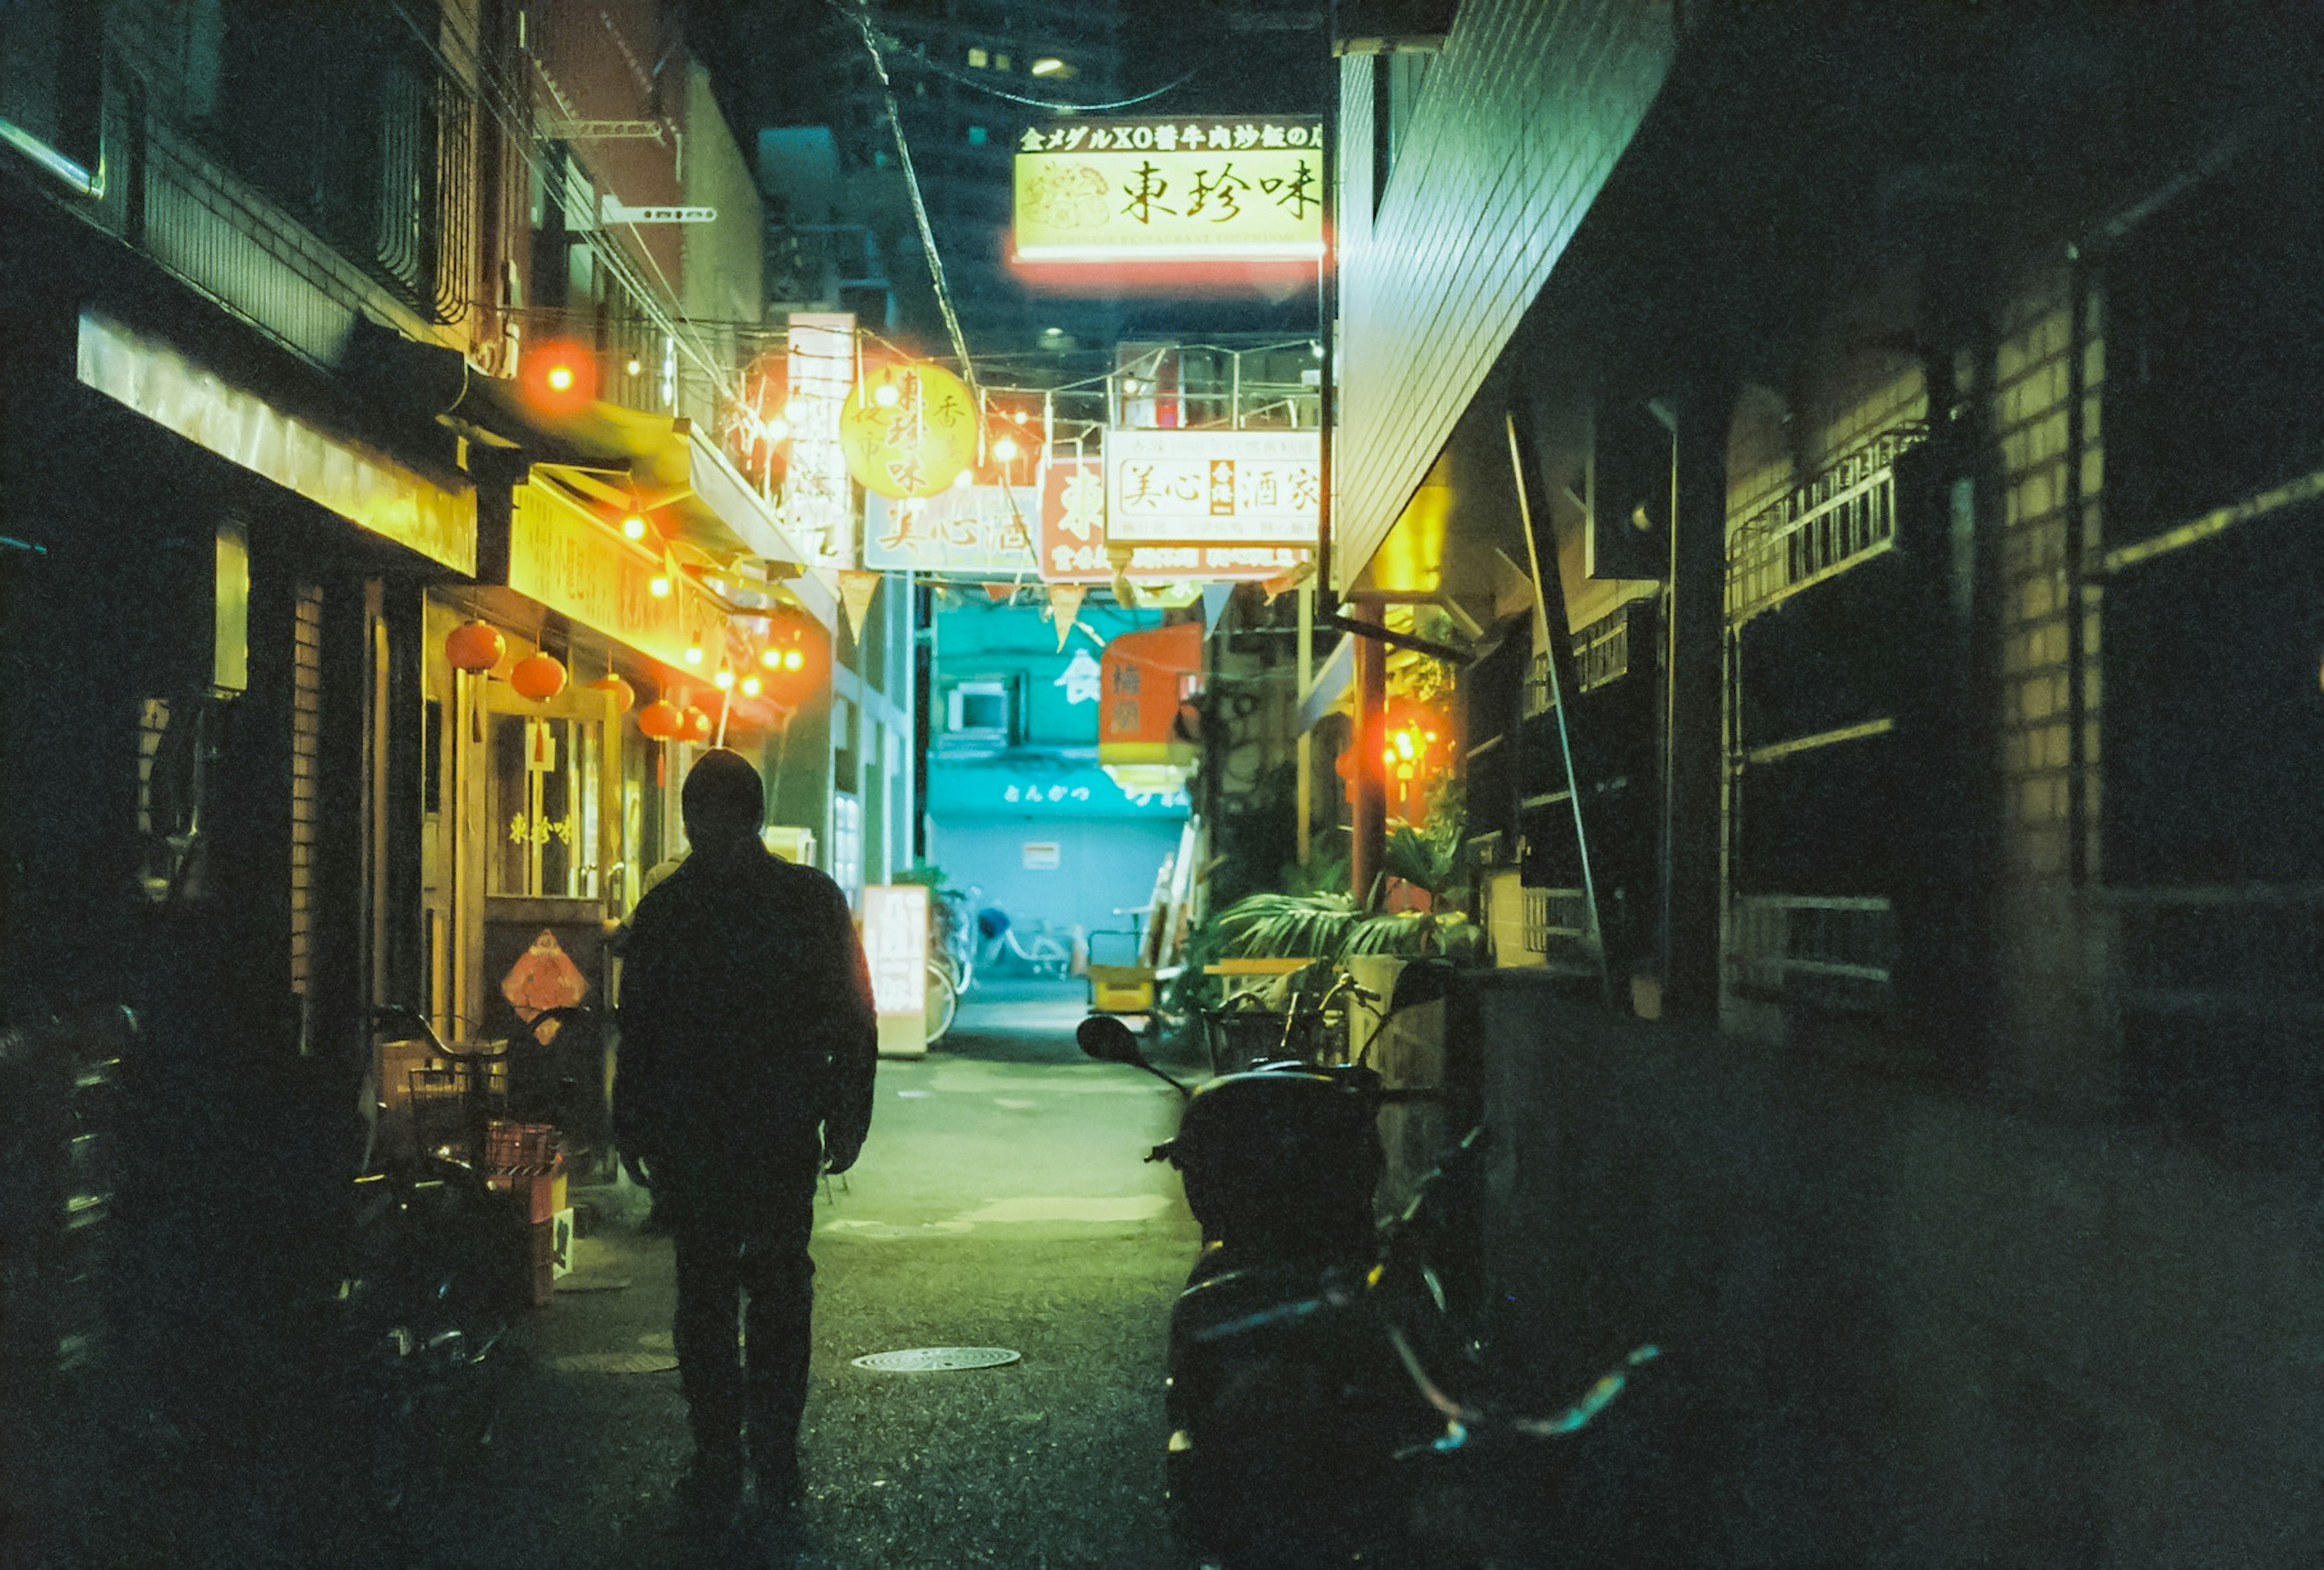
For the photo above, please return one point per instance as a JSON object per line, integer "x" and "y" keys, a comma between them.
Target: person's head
{"x": 724, "y": 802}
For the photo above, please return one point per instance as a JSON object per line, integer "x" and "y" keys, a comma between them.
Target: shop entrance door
{"x": 551, "y": 836}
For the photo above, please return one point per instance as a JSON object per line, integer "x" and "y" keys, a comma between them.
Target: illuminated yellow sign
{"x": 908, "y": 430}
{"x": 1146, "y": 190}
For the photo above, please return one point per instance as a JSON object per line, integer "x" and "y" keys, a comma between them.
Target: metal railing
{"x": 1554, "y": 916}
{"x": 1832, "y": 949}
{"x": 1843, "y": 516}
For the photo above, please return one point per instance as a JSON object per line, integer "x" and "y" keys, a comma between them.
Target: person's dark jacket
{"x": 746, "y": 1022}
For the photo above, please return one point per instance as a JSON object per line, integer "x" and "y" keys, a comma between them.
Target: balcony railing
{"x": 1844, "y": 515}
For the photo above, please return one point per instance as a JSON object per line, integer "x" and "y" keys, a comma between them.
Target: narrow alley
{"x": 1003, "y": 1201}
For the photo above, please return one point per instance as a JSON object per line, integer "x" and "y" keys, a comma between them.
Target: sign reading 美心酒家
{"x": 1201, "y": 188}
{"x": 1212, "y": 487}
{"x": 1072, "y": 542}
{"x": 967, "y": 532}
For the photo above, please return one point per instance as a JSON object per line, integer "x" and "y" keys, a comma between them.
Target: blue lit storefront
{"x": 1064, "y": 845}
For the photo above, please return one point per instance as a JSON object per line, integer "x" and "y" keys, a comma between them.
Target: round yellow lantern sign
{"x": 908, "y": 430}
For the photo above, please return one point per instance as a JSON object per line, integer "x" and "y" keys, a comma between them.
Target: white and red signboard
{"x": 1213, "y": 488}
{"x": 1072, "y": 539}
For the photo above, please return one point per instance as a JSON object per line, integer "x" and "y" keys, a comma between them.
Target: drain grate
{"x": 615, "y": 1362}
{"x": 936, "y": 1359}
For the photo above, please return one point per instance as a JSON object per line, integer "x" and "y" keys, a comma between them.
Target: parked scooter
{"x": 1311, "y": 1349}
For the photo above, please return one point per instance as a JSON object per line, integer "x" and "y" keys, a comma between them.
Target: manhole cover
{"x": 936, "y": 1359}
{"x": 616, "y": 1362}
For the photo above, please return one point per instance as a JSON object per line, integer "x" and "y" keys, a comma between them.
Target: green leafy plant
{"x": 927, "y": 875}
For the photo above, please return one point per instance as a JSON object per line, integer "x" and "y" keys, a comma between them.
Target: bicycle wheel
{"x": 942, "y": 1000}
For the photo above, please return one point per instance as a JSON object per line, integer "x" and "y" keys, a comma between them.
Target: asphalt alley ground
{"x": 1000, "y": 1201}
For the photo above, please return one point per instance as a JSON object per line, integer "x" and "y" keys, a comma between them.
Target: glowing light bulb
{"x": 1005, "y": 449}
{"x": 887, "y": 395}
{"x": 636, "y": 366}
{"x": 751, "y": 685}
{"x": 772, "y": 659}
{"x": 694, "y": 654}
{"x": 794, "y": 660}
{"x": 633, "y": 527}
{"x": 723, "y": 680}
{"x": 1019, "y": 417}
{"x": 659, "y": 587}
{"x": 778, "y": 430}
{"x": 1404, "y": 745}
{"x": 559, "y": 378}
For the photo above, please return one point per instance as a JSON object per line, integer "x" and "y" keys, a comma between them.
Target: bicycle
{"x": 1045, "y": 955}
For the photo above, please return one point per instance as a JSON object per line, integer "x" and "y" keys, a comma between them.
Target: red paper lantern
{"x": 698, "y": 726}
{"x": 660, "y": 720}
{"x": 624, "y": 694}
{"x": 539, "y": 676}
{"x": 475, "y": 646}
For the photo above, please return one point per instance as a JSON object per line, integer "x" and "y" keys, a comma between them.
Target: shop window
{"x": 978, "y": 60}
{"x": 543, "y": 810}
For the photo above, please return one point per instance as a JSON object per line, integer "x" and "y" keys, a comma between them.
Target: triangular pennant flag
{"x": 1001, "y": 594}
{"x": 1215, "y": 604}
{"x": 1064, "y": 604}
{"x": 856, "y": 586}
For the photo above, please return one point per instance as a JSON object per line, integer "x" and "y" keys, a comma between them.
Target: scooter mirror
{"x": 1108, "y": 1040}
{"x": 1420, "y": 981}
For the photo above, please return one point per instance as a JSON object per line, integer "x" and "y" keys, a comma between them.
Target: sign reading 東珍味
{"x": 1213, "y": 488}
{"x": 1147, "y": 190}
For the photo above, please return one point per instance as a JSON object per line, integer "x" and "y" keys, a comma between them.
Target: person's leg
{"x": 709, "y": 1362}
{"x": 781, "y": 1279}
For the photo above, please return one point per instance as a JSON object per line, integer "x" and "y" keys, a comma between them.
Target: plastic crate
{"x": 514, "y": 1148}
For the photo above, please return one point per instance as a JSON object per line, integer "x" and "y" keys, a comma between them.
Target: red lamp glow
{"x": 539, "y": 676}
{"x": 660, "y": 720}
{"x": 624, "y": 694}
{"x": 475, "y": 646}
{"x": 559, "y": 377}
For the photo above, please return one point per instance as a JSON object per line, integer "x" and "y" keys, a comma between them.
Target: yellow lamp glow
{"x": 794, "y": 660}
{"x": 633, "y": 527}
{"x": 751, "y": 685}
{"x": 772, "y": 659}
{"x": 659, "y": 587}
{"x": 723, "y": 680}
{"x": 559, "y": 378}
{"x": 1005, "y": 449}
{"x": 694, "y": 654}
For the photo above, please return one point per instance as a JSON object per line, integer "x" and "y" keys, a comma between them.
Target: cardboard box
{"x": 538, "y": 1195}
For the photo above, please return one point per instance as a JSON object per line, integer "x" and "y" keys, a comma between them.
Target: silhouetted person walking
{"x": 747, "y": 1047}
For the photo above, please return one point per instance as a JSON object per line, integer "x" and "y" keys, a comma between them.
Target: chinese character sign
{"x": 908, "y": 430}
{"x": 1198, "y": 189}
{"x": 1224, "y": 487}
{"x": 817, "y": 504}
{"x": 1073, "y": 543}
{"x": 967, "y": 532}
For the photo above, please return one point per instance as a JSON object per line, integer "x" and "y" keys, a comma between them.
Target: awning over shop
{"x": 996, "y": 790}
{"x": 565, "y": 556}
{"x": 672, "y": 465}
{"x": 438, "y": 521}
